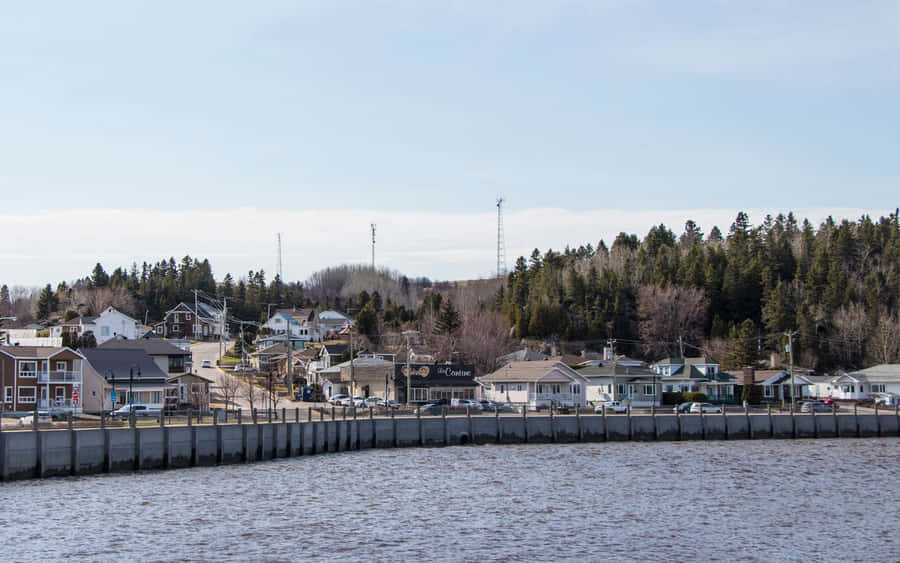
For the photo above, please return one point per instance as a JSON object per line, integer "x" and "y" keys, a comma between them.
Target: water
{"x": 720, "y": 501}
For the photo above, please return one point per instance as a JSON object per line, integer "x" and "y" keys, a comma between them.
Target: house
{"x": 169, "y": 358}
{"x": 881, "y": 382}
{"x": 369, "y": 376}
{"x": 776, "y": 384}
{"x": 432, "y": 382}
{"x": 700, "y": 374}
{"x": 41, "y": 377}
{"x": 182, "y": 321}
{"x": 28, "y": 337}
{"x": 536, "y": 384}
{"x": 189, "y": 391}
{"x": 113, "y": 323}
{"x": 133, "y": 377}
{"x": 613, "y": 381}
{"x": 299, "y": 323}
{"x": 74, "y": 328}
{"x": 331, "y": 321}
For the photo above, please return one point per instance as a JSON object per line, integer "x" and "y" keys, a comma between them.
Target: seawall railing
{"x": 36, "y": 452}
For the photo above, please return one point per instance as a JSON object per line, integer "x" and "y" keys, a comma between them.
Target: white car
{"x": 466, "y": 404}
{"x": 698, "y": 408}
{"x": 206, "y": 364}
{"x": 614, "y": 406}
{"x": 337, "y": 399}
{"x": 43, "y": 418}
{"x": 124, "y": 413}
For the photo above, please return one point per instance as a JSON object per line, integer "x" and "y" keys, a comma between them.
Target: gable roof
{"x": 334, "y": 349}
{"x": 151, "y": 346}
{"x": 110, "y": 363}
{"x": 523, "y": 355}
{"x": 35, "y": 352}
{"x": 610, "y": 367}
{"x": 548, "y": 371}
{"x": 882, "y": 373}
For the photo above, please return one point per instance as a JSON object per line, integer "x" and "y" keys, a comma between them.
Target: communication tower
{"x": 501, "y": 247}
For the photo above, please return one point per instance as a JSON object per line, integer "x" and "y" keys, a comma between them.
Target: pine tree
{"x": 448, "y": 321}
{"x": 5, "y": 302}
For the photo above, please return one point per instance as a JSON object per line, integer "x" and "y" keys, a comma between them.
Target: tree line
{"x": 734, "y": 297}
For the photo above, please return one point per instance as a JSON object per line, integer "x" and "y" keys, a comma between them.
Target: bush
{"x": 694, "y": 397}
{"x": 671, "y": 398}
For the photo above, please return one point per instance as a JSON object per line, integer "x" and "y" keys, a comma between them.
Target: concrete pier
{"x": 46, "y": 453}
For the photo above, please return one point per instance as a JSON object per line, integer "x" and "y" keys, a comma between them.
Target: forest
{"x": 734, "y": 297}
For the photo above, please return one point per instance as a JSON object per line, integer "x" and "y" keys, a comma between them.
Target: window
{"x": 648, "y": 389}
{"x": 175, "y": 328}
{"x": 620, "y": 389}
{"x": 518, "y": 387}
{"x": 768, "y": 391}
{"x": 104, "y": 331}
{"x": 187, "y": 316}
{"x": 60, "y": 366}
{"x": 174, "y": 317}
{"x": 26, "y": 395}
{"x": 556, "y": 388}
{"x": 419, "y": 394}
{"x": 159, "y": 330}
{"x": 575, "y": 388}
{"x": 7, "y": 394}
{"x": 878, "y": 388}
{"x": 502, "y": 388}
{"x": 28, "y": 369}
{"x": 631, "y": 390}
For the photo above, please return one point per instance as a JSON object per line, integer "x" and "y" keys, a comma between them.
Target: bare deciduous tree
{"x": 669, "y": 315}
{"x": 884, "y": 345}
{"x": 485, "y": 335}
{"x": 230, "y": 386}
{"x": 852, "y": 326}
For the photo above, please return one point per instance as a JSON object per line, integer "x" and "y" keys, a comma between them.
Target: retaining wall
{"x": 45, "y": 453}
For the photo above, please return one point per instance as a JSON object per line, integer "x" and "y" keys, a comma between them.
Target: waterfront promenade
{"x": 73, "y": 451}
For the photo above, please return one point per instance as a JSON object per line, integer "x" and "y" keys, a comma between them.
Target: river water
{"x": 799, "y": 500}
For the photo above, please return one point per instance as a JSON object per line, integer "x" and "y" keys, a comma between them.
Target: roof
{"x": 335, "y": 349}
{"x": 609, "y": 368}
{"x": 333, "y": 315}
{"x": 120, "y": 364}
{"x": 152, "y": 346}
{"x": 549, "y": 371}
{"x": 34, "y": 352}
{"x": 188, "y": 375}
{"x": 886, "y": 373}
{"x": 523, "y": 355}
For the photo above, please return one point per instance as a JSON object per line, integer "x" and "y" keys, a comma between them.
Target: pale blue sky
{"x": 425, "y": 106}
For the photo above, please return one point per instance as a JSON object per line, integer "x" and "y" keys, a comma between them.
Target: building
{"x": 432, "y": 382}
{"x": 189, "y": 391}
{"x": 170, "y": 359}
{"x": 113, "y": 323}
{"x": 523, "y": 355}
{"x": 182, "y": 321}
{"x": 300, "y": 323}
{"x": 537, "y": 384}
{"x": 41, "y": 377}
{"x": 74, "y": 328}
{"x": 131, "y": 375}
{"x": 880, "y": 383}
{"x": 331, "y": 322}
{"x": 610, "y": 380}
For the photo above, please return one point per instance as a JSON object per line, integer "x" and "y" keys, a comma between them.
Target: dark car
{"x": 682, "y": 408}
{"x": 817, "y": 406}
{"x": 430, "y": 408}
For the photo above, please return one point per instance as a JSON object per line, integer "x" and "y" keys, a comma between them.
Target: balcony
{"x": 57, "y": 404}
{"x": 59, "y": 377}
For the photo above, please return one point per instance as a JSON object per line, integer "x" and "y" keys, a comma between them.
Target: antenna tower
{"x": 280, "y": 272}
{"x": 501, "y": 247}
{"x": 373, "y": 246}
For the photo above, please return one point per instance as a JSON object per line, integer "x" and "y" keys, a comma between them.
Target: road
{"x": 210, "y": 351}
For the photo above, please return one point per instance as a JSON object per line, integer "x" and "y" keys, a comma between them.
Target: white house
{"x": 536, "y": 384}
{"x": 331, "y": 321}
{"x": 282, "y": 322}
{"x": 113, "y": 323}
{"x": 880, "y": 382}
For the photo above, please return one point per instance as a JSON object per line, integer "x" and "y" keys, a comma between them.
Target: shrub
{"x": 694, "y": 397}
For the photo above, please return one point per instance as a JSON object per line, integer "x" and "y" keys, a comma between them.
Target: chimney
{"x": 749, "y": 372}
{"x": 607, "y": 353}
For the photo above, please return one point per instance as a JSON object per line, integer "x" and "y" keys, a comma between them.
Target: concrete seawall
{"x": 46, "y": 453}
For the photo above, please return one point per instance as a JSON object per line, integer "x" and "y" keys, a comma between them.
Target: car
{"x": 614, "y": 406}
{"x": 368, "y": 402}
{"x": 817, "y": 406}
{"x": 431, "y": 408}
{"x": 389, "y": 404}
{"x": 124, "y": 413}
{"x": 242, "y": 367}
{"x": 703, "y": 408}
{"x": 682, "y": 408}
{"x": 43, "y": 418}
{"x": 206, "y": 364}
{"x": 466, "y": 404}
{"x": 336, "y": 400}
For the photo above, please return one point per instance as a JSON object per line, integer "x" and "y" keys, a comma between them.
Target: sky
{"x": 135, "y": 131}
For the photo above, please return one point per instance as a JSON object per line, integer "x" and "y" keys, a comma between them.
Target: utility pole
{"x": 611, "y": 344}
{"x": 196, "y": 314}
{"x": 352, "y": 371}
{"x": 222, "y": 335}
{"x": 790, "y": 336}
{"x": 407, "y": 334}
{"x": 681, "y": 346}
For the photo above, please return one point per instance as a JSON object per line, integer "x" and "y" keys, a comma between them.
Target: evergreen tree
{"x": 47, "y": 302}
{"x": 448, "y": 321}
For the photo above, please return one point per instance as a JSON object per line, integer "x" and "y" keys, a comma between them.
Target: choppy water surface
{"x": 762, "y": 500}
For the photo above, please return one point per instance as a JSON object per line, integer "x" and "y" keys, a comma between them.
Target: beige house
{"x": 537, "y": 384}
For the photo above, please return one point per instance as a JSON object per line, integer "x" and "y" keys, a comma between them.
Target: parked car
{"x": 430, "y": 408}
{"x": 698, "y": 408}
{"x": 124, "y": 413}
{"x": 614, "y": 406}
{"x": 206, "y": 364}
{"x": 242, "y": 367}
{"x": 336, "y": 400}
{"x": 466, "y": 404}
{"x": 366, "y": 403}
{"x": 389, "y": 404}
{"x": 43, "y": 418}
{"x": 817, "y": 406}
{"x": 682, "y": 408}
